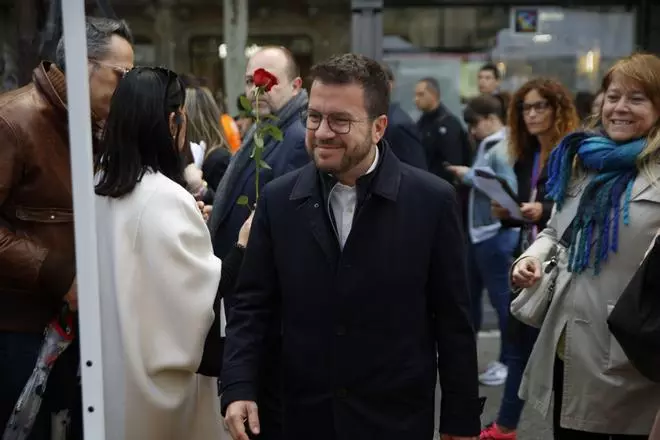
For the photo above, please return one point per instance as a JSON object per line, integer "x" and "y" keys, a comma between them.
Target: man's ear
{"x": 379, "y": 125}
{"x": 297, "y": 83}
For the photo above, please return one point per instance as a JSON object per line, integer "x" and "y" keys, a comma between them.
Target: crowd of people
{"x": 324, "y": 291}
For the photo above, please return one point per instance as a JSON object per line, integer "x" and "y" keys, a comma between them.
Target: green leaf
{"x": 245, "y": 103}
{"x": 271, "y": 117}
{"x": 243, "y": 201}
{"x": 264, "y": 164}
{"x": 275, "y": 132}
{"x": 259, "y": 141}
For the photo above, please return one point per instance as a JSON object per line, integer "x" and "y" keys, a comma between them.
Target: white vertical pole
{"x": 80, "y": 140}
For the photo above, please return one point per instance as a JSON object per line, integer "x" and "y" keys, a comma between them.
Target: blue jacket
{"x": 492, "y": 153}
{"x": 284, "y": 156}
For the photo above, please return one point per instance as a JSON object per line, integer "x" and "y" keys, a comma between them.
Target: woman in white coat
{"x": 604, "y": 186}
{"x": 159, "y": 278}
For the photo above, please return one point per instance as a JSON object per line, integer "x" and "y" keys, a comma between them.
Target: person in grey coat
{"x": 609, "y": 202}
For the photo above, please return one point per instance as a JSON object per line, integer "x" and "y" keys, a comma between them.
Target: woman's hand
{"x": 498, "y": 211}
{"x": 244, "y": 233}
{"x": 205, "y": 210}
{"x": 526, "y": 272}
{"x": 532, "y": 211}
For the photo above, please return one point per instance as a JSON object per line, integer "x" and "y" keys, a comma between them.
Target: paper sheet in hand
{"x": 498, "y": 190}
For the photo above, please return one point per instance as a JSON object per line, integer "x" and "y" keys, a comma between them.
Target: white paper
{"x": 493, "y": 189}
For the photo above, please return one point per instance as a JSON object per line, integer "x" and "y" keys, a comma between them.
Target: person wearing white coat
{"x": 159, "y": 279}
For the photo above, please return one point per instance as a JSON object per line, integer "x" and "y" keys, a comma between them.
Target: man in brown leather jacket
{"x": 37, "y": 261}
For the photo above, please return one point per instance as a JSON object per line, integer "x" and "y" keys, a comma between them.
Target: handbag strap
{"x": 567, "y": 236}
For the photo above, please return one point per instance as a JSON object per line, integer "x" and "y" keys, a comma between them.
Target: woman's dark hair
{"x": 137, "y": 137}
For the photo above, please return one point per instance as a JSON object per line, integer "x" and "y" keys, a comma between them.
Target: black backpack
{"x": 635, "y": 319}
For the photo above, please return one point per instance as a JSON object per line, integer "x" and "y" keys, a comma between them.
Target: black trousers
{"x": 570, "y": 434}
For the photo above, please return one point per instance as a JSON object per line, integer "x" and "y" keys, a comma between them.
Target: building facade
{"x": 187, "y": 35}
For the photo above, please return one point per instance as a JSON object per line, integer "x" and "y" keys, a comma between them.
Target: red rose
{"x": 264, "y": 79}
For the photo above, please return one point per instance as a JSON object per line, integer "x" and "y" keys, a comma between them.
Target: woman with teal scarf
{"x": 604, "y": 199}
{"x": 607, "y": 211}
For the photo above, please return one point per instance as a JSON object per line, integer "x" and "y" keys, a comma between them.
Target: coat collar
{"x": 50, "y": 81}
{"x": 386, "y": 178}
{"x": 646, "y": 184}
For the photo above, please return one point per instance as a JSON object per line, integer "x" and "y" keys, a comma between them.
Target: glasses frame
{"x": 304, "y": 117}
{"x": 540, "y": 107}
{"x": 120, "y": 71}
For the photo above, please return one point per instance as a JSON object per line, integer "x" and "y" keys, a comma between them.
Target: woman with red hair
{"x": 540, "y": 114}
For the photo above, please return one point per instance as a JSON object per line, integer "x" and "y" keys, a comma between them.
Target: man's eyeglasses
{"x": 120, "y": 71}
{"x": 339, "y": 124}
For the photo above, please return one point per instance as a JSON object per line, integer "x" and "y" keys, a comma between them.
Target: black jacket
{"x": 445, "y": 141}
{"x": 404, "y": 138}
{"x": 523, "y": 169}
{"x": 361, "y": 329}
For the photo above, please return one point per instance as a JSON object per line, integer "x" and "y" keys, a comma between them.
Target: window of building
{"x": 576, "y": 45}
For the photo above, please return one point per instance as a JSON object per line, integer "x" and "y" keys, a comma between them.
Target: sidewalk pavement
{"x": 532, "y": 425}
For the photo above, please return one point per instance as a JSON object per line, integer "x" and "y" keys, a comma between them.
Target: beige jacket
{"x": 602, "y": 391}
{"x": 158, "y": 282}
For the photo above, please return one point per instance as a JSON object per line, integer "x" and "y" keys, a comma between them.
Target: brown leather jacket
{"x": 37, "y": 261}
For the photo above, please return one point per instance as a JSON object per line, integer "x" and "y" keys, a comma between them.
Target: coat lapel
{"x": 647, "y": 188}
{"x": 308, "y": 192}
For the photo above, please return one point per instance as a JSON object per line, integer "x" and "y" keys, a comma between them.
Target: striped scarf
{"x": 600, "y": 204}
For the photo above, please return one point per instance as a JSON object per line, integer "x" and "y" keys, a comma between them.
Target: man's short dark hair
{"x": 388, "y": 71}
{"x": 357, "y": 69}
{"x": 99, "y": 31}
{"x": 482, "y": 107}
{"x": 292, "y": 69}
{"x": 432, "y": 84}
{"x": 490, "y": 67}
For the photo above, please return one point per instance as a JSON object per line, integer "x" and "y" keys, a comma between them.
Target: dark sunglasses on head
{"x": 170, "y": 77}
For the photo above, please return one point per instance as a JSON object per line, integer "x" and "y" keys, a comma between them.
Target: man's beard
{"x": 348, "y": 160}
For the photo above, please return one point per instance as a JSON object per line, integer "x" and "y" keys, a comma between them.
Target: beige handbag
{"x": 531, "y": 304}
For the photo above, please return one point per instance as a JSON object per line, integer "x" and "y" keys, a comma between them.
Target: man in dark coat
{"x": 363, "y": 258}
{"x": 284, "y": 102}
{"x": 402, "y": 133}
{"x": 445, "y": 140}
